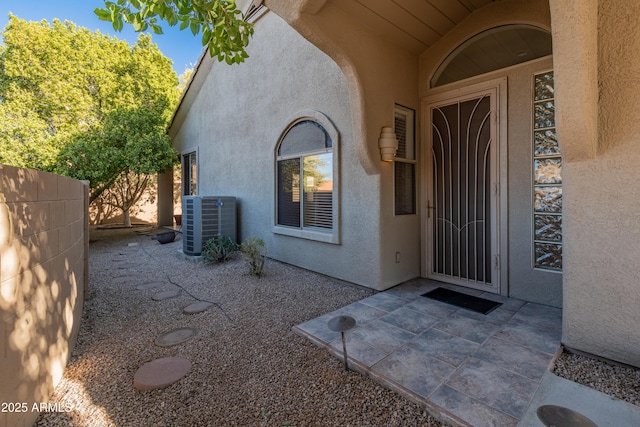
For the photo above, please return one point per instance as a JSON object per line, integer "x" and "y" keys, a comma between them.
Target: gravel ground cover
{"x": 622, "y": 382}
{"x": 249, "y": 369}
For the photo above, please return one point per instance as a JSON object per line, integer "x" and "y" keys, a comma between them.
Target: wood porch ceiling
{"x": 412, "y": 24}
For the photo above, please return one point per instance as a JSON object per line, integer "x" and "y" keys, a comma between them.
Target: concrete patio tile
{"x": 446, "y": 347}
{"x": 357, "y": 350}
{"x": 414, "y": 370}
{"x": 511, "y": 304}
{"x": 474, "y": 369}
{"x": 382, "y": 335}
{"x": 318, "y": 329}
{"x": 467, "y": 328}
{"x": 493, "y": 386}
{"x": 469, "y": 410}
{"x": 499, "y": 316}
{"x": 412, "y": 289}
{"x": 432, "y": 307}
{"x": 532, "y": 336}
{"x": 384, "y": 301}
{"x": 363, "y": 313}
{"x": 540, "y": 315}
{"x": 515, "y": 358}
{"x": 410, "y": 320}
{"x": 600, "y": 408}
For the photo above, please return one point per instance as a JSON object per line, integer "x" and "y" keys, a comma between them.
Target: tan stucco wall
{"x": 602, "y": 199}
{"x": 234, "y": 121}
{"x": 575, "y": 48}
{"x": 596, "y": 64}
{"x": 378, "y": 74}
{"x": 43, "y": 268}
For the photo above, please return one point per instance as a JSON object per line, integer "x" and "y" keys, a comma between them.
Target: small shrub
{"x": 218, "y": 249}
{"x": 255, "y": 253}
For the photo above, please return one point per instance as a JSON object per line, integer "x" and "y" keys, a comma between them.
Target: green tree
{"x": 85, "y": 105}
{"x": 41, "y": 90}
{"x": 224, "y": 30}
{"x": 184, "y": 79}
{"x": 121, "y": 156}
{"x": 59, "y": 80}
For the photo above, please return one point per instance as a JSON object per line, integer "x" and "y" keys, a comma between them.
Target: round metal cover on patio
{"x": 559, "y": 416}
{"x": 341, "y": 323}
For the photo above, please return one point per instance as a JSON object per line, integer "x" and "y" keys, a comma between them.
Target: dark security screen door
{"x": 462, "y": 199}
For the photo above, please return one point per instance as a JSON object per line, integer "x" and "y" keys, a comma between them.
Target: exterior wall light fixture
{"x": 388, "y": 144}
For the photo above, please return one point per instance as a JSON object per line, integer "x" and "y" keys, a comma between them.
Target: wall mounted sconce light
{"x": 388, "y": 144}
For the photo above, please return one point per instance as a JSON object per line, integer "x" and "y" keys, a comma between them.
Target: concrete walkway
{"x": 601, "y": 409}
{"x": 466, "y": 368}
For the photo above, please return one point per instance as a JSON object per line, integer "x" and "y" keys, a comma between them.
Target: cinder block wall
{"x": 43, "y": 279}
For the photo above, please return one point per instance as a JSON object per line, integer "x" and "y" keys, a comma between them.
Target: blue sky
{"x": 180, "y": 46}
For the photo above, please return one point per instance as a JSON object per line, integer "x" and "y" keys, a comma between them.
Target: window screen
{"x": 405, "y": 163}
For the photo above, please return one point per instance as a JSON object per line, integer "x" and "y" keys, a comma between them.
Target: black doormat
{"x": 459, "y": 299}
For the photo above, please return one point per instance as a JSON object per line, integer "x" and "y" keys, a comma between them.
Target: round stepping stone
{"x": 151, "y": 285}
{"x": 161, "y": 373}
{"x": 175, "y": 336}
{"x": 125, "y": 280}
{"x": 197, "y": 307}
{"x": 166, "y": 295}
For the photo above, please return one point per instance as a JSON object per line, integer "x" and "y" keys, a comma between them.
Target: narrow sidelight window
{"x": 547, "y": 177}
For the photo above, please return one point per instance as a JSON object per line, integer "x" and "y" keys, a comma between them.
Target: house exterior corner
{"x": 294, "y": 134}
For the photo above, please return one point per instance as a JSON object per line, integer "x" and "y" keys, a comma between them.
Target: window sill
{"x": 319, "y": 236}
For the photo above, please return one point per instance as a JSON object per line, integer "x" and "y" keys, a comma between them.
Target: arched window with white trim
{"x": 306, "y": 176}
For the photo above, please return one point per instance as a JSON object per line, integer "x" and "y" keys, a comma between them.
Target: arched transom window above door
{"x": 491, "y": 50}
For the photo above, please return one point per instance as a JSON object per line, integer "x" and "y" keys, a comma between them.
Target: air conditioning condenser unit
{"x": 204, "y": 217}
